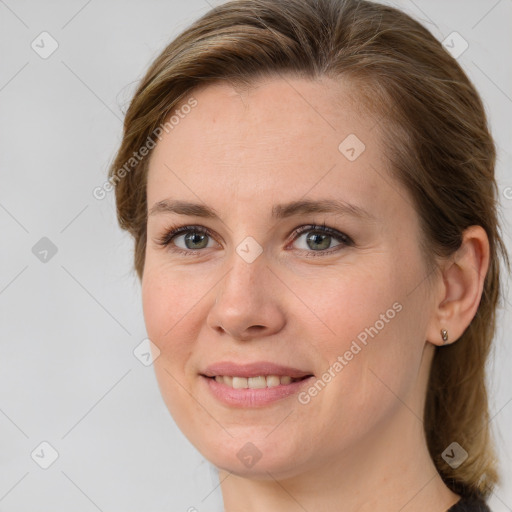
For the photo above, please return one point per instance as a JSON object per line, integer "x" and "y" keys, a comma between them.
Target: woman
{"x": 310, "y": 187}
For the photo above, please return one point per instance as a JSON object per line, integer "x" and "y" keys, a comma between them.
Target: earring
{"x": 444, "y": 335}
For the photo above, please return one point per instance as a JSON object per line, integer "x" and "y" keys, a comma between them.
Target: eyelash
{"x": 166, "y": 239}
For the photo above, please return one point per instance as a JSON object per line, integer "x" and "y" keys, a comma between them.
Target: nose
{"x": 247, "y": 301}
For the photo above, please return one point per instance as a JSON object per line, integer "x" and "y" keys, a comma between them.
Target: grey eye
{"x": 316, "y": 240}
{"x": 193, "y": 240}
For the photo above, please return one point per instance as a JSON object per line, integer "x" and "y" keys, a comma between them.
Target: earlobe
{"x": 463, "y": 277}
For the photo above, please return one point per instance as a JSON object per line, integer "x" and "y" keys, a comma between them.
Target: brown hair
{"x": 439, "y": 147}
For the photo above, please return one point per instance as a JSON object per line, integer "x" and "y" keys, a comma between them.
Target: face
{"x": 297, "y": 273}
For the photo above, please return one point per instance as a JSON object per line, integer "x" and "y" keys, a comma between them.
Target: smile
{"x": 259, "y": 382}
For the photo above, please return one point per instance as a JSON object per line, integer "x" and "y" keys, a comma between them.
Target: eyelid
{"x": 323, "y": 228}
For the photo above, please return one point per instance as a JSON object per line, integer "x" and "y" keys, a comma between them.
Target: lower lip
{"x": 247, "y": 397}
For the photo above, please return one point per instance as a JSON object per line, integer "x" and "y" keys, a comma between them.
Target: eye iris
{"x": 195, "y": 238}
{"x": 324, "y": 240}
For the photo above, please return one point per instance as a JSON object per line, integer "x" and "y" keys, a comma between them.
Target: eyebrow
{"x": 279, "y": 211}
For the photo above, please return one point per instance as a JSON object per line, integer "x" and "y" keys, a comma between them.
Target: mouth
{"x": 253, "y": 384}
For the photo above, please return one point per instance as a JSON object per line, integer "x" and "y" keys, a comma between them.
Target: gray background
{"x": 68, "y": 326}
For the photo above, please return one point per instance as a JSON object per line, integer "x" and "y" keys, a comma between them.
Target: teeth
{"x": 273, "y": 381}
{"x": 239, "y": 382}
{"x": 259, "y": 382}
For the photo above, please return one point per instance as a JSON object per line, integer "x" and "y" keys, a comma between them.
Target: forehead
{"x": 280, "y": 137}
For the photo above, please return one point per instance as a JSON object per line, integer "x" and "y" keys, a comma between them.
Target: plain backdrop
{"x": 70, "y": 304}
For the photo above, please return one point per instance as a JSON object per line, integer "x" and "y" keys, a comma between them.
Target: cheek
{"x": 366, "y": 317}
{"x": 346, "y": 301}
{"x": 168, "y": 314}
{"x": 168, "y": 306}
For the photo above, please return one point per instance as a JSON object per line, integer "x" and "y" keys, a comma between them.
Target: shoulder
{"x": 469, "y": 505}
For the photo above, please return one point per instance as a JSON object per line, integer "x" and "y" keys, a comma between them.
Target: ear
{"x": 463, "y": 276}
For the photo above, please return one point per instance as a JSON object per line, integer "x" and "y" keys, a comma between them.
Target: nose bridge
{"x": 247, "y": 273}
{"x": 245, "y": 298}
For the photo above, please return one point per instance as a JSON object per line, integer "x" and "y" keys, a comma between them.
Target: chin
{"x": 248, "y": 457}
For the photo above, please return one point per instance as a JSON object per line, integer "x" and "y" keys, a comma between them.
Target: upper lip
{"x": 253, "y": 370}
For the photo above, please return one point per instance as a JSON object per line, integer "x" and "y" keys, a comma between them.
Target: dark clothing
{"x": 469, "y": 505}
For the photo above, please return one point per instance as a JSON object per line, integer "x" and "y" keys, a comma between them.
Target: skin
{"x": 359, "y": 442}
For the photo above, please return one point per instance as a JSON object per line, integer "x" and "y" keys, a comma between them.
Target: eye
{"x": 320, "y": 239}
{"x": 186, "y": 239}
{"x": 190, "y": 240}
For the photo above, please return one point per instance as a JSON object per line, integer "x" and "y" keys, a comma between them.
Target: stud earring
{"x": 444, "y": 335}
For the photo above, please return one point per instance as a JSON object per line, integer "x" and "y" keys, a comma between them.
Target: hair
{"x": 437, "y": 142}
